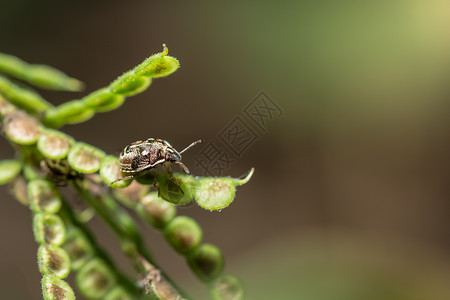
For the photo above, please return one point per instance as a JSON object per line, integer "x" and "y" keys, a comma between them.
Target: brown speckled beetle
{"x": 143, "y": 155}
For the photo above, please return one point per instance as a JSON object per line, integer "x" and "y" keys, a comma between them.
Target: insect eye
{"x": 125, "y": 151}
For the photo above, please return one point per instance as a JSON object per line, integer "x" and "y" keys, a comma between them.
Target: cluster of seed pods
{"x": 185, "y": 236}
{"x": 29, "y": 123}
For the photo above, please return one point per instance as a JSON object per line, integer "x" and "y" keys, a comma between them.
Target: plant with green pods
{"x": 47, "y": 158}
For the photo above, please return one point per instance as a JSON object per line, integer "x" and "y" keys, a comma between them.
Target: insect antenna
{"x": 191, "y": 145}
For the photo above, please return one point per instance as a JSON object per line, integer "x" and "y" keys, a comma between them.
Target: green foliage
{"x": 227, "y": 287}
{"x": 39, "y": 75}
{"x": 54, "y": 144}
{"x": 54, "y": 288}
{"x": 206, "y": 262}
{"x": 95, "y": 279}
{"x": 53, "y": 260}
{"x": 183, "y": 234}
{"x": 48, "y": 229}
{"x": 47, "y": 158}
{"x": 9, "y": 169}
{"x": 43, "y": 196}
{"x": 156, "y": 211}
{"x": 85, "y": 158}
{"x": 25, "y": 99}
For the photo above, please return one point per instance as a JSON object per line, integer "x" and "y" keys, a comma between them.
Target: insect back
{"x": 140, "y": 157}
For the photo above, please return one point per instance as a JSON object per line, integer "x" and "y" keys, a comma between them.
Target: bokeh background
{"x": 350, "y": 198}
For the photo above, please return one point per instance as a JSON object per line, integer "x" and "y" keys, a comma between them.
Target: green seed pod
{"x": 23, "y": 98}
{"x": 169, "y": 188}
{"x": 155, "y": 210}
{"x": 9, "y": 169}
{"x": 21, "y": 128}
{"x": 227, "y": 287}
{"x": 53, "y": 260}
{"x": 39, "y": 75}
{"x": 183, "y": 234}
{"x": 130, "y": 84}
{"x": 95, "y": 279}
{"x": 206, "y": 262}
{"x": 54, "y": 288}
{"x": 20, "y": 190}
{"x": 85, "y": 158}
{"x": 103, "y": 100}
{"x": 71, "y": 112}
{"x": 148, "y": 178}
{"x": 43, "y": 196}
{"x": 215, "y": 193}
{"x": 6, "y": 107}
{"x": 77, "y": 247}
{"x": 48, "y": 229}
{"x": 82, "y": 117}
{"x": 111, "y": 174}
{"x": 31, "y": 173}
{"x": 158, "y": 65}
{"x": 118, "y": 293}
{"x": 54, "y": 144}
{"x": 12, "y": 65}
{"x": 131, "y": 195}
{"x": 50, "y": 78}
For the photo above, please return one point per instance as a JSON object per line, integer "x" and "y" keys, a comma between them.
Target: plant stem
{"x": 68, "y": 216}
{"x": 108, "y": 210}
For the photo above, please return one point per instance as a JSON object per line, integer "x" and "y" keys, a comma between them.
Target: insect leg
{"x": 123, "y": 178}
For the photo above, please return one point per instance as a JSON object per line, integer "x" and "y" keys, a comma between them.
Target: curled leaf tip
{"x": 246, "y": 178}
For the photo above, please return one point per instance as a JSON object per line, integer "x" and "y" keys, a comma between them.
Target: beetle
{"x": 144, "y": 155}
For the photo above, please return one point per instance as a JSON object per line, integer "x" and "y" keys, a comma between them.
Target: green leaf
{"x": 53, "y": 260}
{"x": 9, "y": 169}
{"x": 111, "y": 174}
{"x": 54, "y": 288}
{"x": 227, "y": 287}
{"x": 85, "y": 158}
{"x": 206, "y": 262}
{"x": 54, "y": 144}
{"x": 95, "y": 279}
{"x": 183, "y": 234}
{"x": 215, "y": 193}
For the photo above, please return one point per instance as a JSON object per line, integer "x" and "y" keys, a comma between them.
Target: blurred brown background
{"x": 350, "y": 198}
